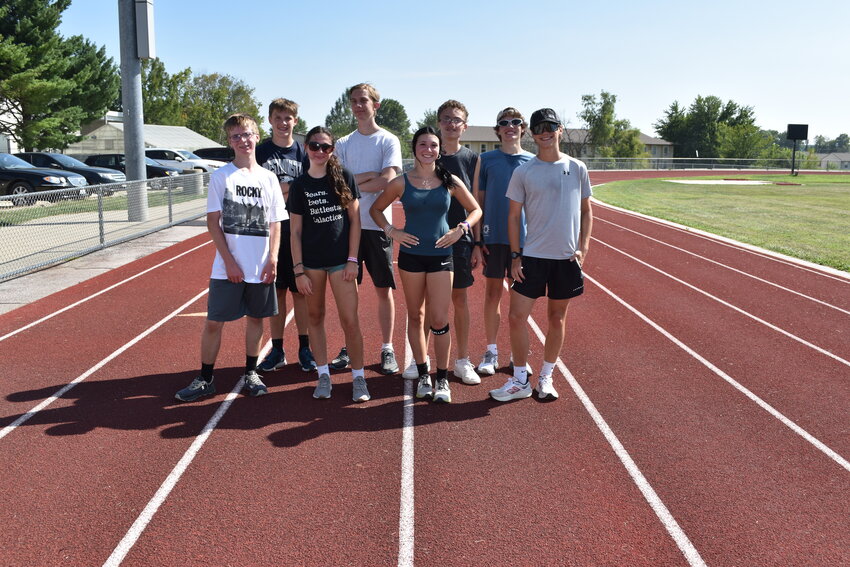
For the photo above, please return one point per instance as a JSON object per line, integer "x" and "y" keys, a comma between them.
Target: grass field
{"x": 810, "y": 221}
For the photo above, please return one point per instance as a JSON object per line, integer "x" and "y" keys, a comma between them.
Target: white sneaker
{"x": 512, "y": 390}
{"x": 489, "y": 363}
{"x": 545, "y": 389}
{"x": 466, "y": 372}
{"x": 411, "y": 373}
{"x": 442, "y": 392}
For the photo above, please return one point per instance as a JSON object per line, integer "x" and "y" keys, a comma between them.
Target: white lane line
{"x": 817, "y": 269}
{"x": 730, "y": 306}
{"x": 760, "y": 402}
{"x": 142, "y": 521}
{"x": 721, "y": 264}
{"x": 407, "y": 501}
{"x": 62, "y": 391}
{"x": 670, "y": 524}
{"x": 92, "y": 296}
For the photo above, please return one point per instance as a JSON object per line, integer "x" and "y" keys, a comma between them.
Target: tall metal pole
{"x": 131, "y": 101}
{"x": 794, "y": 158}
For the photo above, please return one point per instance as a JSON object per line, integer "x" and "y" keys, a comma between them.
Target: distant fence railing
{"x": 44, "y": 228}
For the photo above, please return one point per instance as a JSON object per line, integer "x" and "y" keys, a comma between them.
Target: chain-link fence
{"x": 47, "y": 227}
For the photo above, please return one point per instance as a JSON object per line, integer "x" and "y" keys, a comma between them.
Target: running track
{"x": 703, "y": 420}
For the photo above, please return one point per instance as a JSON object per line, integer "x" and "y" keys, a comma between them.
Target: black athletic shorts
{"x": 562, "y": 278}
{"x": 498, "y": 261}
{"x": 461, "y": 256}
{"x": 376, "y": 252}
{"x": 228, "y": 301}
{"x": 423, "y": 263}
{"x": 285, "y": 274}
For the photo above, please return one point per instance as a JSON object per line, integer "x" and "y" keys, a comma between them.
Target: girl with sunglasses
{"x": 425, "y": 254}
{"x": 325, "y": 217}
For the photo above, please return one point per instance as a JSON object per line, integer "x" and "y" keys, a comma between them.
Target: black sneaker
{"x": 388, "y": 363}
{"x": 306, "y": 360}
{"x": 197, "y": 389}
{"x": 274, "y": 359}
{"x": 341, "y": 361}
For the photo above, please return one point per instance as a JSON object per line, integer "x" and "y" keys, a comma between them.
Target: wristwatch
{"x": 515, "y": 255}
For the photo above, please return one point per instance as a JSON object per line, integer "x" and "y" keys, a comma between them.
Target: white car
{"x": 182, "y": 159}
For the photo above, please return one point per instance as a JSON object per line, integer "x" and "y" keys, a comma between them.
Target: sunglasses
{"x": 316, "y": 146}
{"x": 544, "y": 127}
{"x": 511, "y": 122}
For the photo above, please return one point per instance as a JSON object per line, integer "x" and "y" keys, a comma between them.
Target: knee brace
{"x": 442, "y": 331}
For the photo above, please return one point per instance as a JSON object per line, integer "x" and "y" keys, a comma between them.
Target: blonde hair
{"x": 370, "y": 90}
{"x": 240, "y": 120}
{"x": 511, "y": 112}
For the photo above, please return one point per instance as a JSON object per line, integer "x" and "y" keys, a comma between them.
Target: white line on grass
{"x": 760, "y": 402}
{"x": 62, "y": 391}
{"x": 407, "y": 501}
{"x": 92, "y": 296}
{"x": 730, "y": 306}
{"x": 722, "y": 265}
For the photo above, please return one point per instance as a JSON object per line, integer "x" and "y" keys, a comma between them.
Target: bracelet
{"x": 298, "y": 264}
{"x": 353, "y": 259}
{"x": 388, "y": 229}
{"x": 478, "y": 243}
{"x": 299, "y": 274}
{"x": 466, "y": 224}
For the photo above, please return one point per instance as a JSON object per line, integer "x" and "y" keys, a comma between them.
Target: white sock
{"x": 356, "y": 373}
{"x": 387, "y": 346}
{"x": 520, "y": 374}
{"x": 493, "y": 348}
{"x": 547, "y": 368}
{"x": 323, "y": 370}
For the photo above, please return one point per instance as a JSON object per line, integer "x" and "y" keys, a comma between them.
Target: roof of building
{"x": 841, "y": 156}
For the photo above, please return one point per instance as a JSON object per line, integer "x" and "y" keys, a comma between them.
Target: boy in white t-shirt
{"x": 244, "y": 210}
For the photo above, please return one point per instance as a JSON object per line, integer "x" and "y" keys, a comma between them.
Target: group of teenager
{"x": 300, "y": 218}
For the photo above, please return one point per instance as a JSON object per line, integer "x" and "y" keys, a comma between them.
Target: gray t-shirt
{"x": 551, "y": 193}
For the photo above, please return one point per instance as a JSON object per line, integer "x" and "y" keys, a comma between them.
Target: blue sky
{"x": 492, "y": 54}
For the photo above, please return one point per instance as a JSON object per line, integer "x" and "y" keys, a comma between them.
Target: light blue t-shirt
{"x": 494, "y": 174}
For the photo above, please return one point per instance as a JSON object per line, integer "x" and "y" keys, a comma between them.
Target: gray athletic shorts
{"x": 230, "y": 301}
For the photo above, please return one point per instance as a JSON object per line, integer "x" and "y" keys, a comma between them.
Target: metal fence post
{"x": 100, "y": 220}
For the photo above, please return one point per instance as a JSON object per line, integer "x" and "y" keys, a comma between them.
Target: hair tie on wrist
{"x": 353, "y": 259}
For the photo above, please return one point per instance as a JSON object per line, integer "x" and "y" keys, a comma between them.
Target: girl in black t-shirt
{"x": 325, "y": 219}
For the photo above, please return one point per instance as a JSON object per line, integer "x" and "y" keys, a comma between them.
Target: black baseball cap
{"x": 544, "y": 115}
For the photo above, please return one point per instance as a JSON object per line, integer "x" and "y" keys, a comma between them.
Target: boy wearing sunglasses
{"x": 490, "y": 185}
{"x": 373, "y": 155}
{"x": 285, "y": 157}
{"x": 554, "y": 189}
{"x": 244, "y": 210}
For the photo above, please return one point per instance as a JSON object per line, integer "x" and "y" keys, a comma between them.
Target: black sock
{"x": 207, "y": 372}
{"x": 422, "y": 368}
{"x": 442, "y": 373}
{"x": 251, "y": 364}
{"x": 303, "y": 341}
{"x": 277, "y": 343}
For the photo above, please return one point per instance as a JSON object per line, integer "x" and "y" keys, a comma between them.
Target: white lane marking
{"x": 142, "y": 521}
{"x": 62, "y": 391}
{"x": 407, "y": 501}
{"x": 730, "y": 306}
{"x": 92, "y": 296}
{"x": 817, "y": 269}
{"x": 760, "y": 402}
{"x": 670, "y": 524}
{"x": 721, "y": 264}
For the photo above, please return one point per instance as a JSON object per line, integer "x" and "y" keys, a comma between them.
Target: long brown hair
{"x": 334, "y": 169}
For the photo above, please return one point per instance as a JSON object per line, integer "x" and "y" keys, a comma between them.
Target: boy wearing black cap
{"x": 554, "y": 190}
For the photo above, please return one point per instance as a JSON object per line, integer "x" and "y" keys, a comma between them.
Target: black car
{"x": 19, "y": 178}
{"x": 116, "y": 161}
{"x": 94, "y": 175}
{"x": 219, "y": 153}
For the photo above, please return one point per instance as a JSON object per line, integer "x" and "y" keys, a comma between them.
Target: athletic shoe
{"x": 388, "y": 363}
{"x": 512, "y": 390}
{"x": 545, "y": 389}
{"x": 323, "y": 388}
{"x": 466, "y": 372}
{"x": 274, "y": 359}
{"x": 424, "y": 390}
{"x": 197, "y": 389}
{"x": 489, "y": 363}
{"x": 306, "y": 360}
{"x": 411, "y": 372}
{"x": 342, "y": 360}
{"x": 442, "y": 393}
{"x": 253, "y": 385}
{"x": 361, "y": 393}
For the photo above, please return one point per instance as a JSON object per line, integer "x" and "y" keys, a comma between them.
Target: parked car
{"x": 182, "y": 159}
{"x": 116, "y": 161}
{"x": 219, "y": 153}
{"x": 94, "y": 175}
{"x": 20, "y": 178}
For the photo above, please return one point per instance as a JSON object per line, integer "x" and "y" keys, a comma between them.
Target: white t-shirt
{"x": 249, "y": 202}
{"x": 359, "y": 154}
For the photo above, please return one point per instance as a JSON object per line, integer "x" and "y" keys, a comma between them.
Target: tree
{"x": 300, "y": 126}
{"x": 163, "y": 94}
{"x": 340, "y": 120}
{"x": 744, "y": 141}
{"x": 393, "y": 117}
{"x": 824, "y": 145}
{"x": 210, "y": 99}
{"x": 430, "y": 118}
{"x": 609, "y": 136}
{"x": 696, "y": 131}
{"x": 49, "y": 86}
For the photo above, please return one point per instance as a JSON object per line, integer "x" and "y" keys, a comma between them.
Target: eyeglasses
{"x": 455, "y": 120}
{"x": 316, "y": 146}
{"x": 511, "y": 122}
{"x": 545, "y": 127}
{"x": 240, "y": 137}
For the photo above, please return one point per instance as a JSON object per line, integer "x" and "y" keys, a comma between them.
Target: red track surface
{"x": 731, "y": 453}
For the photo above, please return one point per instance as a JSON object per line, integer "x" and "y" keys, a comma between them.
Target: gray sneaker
{"x": 361, "y": 393}
{"x": 442, "y": 393}
{"x": 424, "y": 390}
{"x": 323, "y": 388}
{"x": 489, "y": 364}
{"x": 388, "y": 363}
{"x": 253, "y": 385}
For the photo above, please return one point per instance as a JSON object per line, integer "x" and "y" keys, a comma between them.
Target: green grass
{"x": 810, "y": 221}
